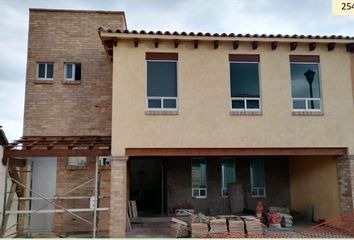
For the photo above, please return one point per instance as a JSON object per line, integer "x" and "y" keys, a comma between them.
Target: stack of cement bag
{"x": 287, "y": 220}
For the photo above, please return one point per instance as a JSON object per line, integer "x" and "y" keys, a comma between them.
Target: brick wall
{"x": 345, "y": 171}
{"x": 59, "y": 108}
{"x": 56, "y": 108}
{"x": 179, "y": 184}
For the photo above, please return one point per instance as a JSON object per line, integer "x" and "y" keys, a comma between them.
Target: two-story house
{"x": 188, "y": 115}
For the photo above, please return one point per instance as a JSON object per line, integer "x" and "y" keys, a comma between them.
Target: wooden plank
{"x": 179, "y": 221}
{"x": 134, "y": 209}
{"x": 56, "y": 210}
{"x": 141, "y": 152}
{"x": 9, "y": 202}
{"x": 130, "y": 213}
{"x": 56, "y": 153}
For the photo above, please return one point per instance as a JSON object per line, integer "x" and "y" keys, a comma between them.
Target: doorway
{"x": 147, "y": 186}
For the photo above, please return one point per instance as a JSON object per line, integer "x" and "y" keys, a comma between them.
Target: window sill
{"x": 164, "y": 112}
{"x": 246, "y": 113}
{"x": 72, "y": 82}
{"x": 37, "y": 81}
{"x": 307, "y": 113}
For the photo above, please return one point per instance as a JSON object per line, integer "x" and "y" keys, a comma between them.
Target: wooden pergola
{"x": 58, "y": 146}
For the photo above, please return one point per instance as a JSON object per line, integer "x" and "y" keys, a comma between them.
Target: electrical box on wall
{"x": 104, "y": 161}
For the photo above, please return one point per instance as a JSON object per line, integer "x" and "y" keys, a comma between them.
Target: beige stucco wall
{"x": 313, "y": 180}
{"x": 204, "y": 95}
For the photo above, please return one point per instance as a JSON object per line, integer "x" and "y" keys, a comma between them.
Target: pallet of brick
{"x": 218, "y": 225}
{"x": 236, "y": 226}
{"x": 199, "y": 230}
{"x": 178, "y": 231}
{"x": 253, "y": 226}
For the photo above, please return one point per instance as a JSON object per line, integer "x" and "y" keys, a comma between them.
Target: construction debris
{"x": 236, "y": 226}
{"x": 199, "y": 230}
{"x": 253, "y": 226}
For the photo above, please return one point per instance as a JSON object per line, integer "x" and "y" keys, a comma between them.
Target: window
{"x": 305, "y": 83}
{"x": 257, "y": 178}
{"x": 199, "y": 181}
{"x": 227, "y": 175}
{"x": 45, "y": 71}
{"x": 161, "y": 81}
{"x": 244, "y": 82}
{"x": 72, "y": 71}
{"x": 76, "y": 162}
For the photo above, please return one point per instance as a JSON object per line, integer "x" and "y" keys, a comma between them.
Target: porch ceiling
{"x": 141, "y": 152}
{"x": 58, "y": 146}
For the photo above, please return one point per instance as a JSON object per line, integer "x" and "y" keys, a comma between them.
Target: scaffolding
{"x": 49, "y": 146}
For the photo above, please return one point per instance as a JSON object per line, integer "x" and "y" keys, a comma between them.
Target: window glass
{"x": 50, "y": 70}
{"x": 244, "y": 79}
{"x": 199, "y": 173}
{"x": 228, "y": 174}
{"x": 69, "y": 71}
{"x": 154, "y": 103}
{"x": 161, "y": 79}
{"x": 41, "y": 70}
{"x": 257, "y": 173}
{"x": 305, "y": 81}
{"x": 169, "y": 103}
{"x": 78, "y": 71}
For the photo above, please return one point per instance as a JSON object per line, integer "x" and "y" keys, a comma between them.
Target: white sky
{"x": 237, "y": 16}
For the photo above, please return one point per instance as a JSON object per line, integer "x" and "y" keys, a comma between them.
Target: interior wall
{"x": 313, "y": 180}
{"x": 179, "y": 184}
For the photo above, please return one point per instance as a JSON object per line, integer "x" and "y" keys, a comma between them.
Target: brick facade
{"x": 61, "y": 108}
{"x": 58, "y": 108}
{"x": 345, "y": 170}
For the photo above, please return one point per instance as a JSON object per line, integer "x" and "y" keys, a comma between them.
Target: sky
{"x": 215, "y": 16}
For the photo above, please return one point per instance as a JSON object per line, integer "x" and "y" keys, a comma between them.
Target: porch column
{"x": 345, "y": 171}
{"x": 118, "y": 201}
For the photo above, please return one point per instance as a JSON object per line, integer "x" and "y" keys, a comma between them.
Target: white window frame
{"x": 45, "y": 71}
{"x": 246, "y": 109}
{"x": 307, "y": 100}
{"x": 307, "y": 103}
{"x": 245, "y": 99}
{"x": 206, "y": 182}
{"x": 161, "y": 98}
{"x": 257, "y": 188}
{"x": 73, "y": 72}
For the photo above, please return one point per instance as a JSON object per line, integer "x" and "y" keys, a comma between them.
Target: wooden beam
{"x": 136, "y": 42}
{"x": 156, "y": 152}
{"x": 312, "y": 46}
{"x": 350, "y": 47}
{"x": 17, "y": 162}
{"x": 254, "y": 45}
{"x": 216, "y": 44}
{"x": 293, "y": 46}
{"x": 331, "y": 46}
{"x": 115, "y": 41}
{"x": 195, "y": 44}
{"x": 56, "y": 153}
{"x": 156, "y": 42}
{"x": 235, "y": 44}
{"x": 176, "y": 42}
{"x": 274, "y": 45}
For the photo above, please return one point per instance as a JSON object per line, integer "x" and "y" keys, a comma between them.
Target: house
{"x": 180, "y": 116}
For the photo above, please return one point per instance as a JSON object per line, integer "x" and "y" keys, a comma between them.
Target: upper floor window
{"x": 72, "y": 71}
{"x": 161, "y": 81}
{"x": 199, "y": 178}
{"x": 244, "y": 82}
{"x": 45, "y": 71}
{"x": 227, "y": 175}
{"x": 258, "y": 188}
{"x": 305, "y": 83}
